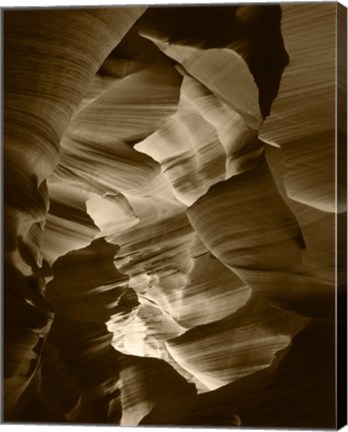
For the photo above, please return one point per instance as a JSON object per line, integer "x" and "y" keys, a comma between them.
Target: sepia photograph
{"x": 174, "y": 215}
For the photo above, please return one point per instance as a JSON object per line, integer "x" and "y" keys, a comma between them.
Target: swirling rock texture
{"x": 169, "y": 242}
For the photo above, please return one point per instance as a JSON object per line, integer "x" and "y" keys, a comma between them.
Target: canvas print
{"x": 174, "y": 209}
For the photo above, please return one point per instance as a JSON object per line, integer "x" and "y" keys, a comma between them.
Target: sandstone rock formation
{"x": 169, "y": 215}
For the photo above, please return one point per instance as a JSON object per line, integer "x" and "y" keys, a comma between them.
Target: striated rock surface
{"x": 306, "y": 126}
{"x": 169, "y": 214}
{"x": 49, "y": 59}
